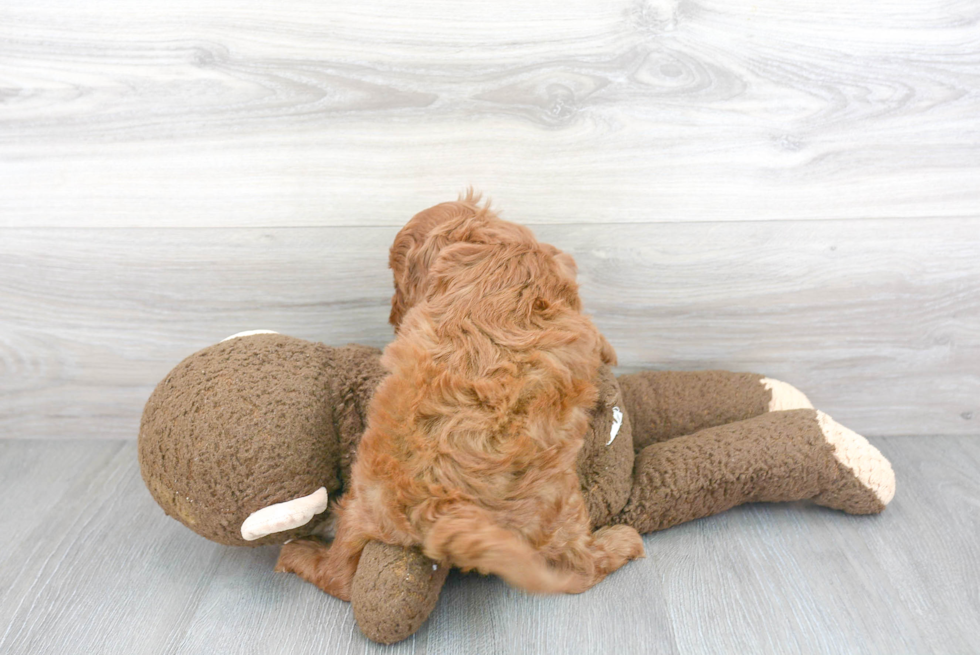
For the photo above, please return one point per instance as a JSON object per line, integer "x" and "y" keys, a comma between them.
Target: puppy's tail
{"x": 468, "y": 538}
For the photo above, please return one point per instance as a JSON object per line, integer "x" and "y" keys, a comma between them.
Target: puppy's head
{"x": 513, "y": 283}
{"x": 465, "y": 246}
{"x": 418, "y": 244}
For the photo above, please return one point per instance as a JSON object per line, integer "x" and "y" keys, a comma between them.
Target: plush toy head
{"x": 250, "y": 423}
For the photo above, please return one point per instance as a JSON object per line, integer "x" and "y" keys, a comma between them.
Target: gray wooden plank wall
{"x": 775, "y": 186}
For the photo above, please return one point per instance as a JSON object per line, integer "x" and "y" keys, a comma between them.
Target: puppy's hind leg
{"x": 596, "y": 555}
{"x": 613, "y": 546}
{"x": 468, "y": 538}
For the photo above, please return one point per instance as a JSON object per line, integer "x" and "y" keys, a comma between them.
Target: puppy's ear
{"x": 398, "y": 263}
{"x": 420, "y": 242}
{"x": 566, "y": 263}
{"x": 408, "y": 271}
{"x": 607, "y": 352}
{"x": 416, "y": 247}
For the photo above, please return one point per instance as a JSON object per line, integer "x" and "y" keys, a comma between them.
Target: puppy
{"x": 471, "y": 441}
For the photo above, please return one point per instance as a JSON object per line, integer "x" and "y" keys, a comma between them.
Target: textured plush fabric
{"x": 358, "y": 372}
{"x": 251, "y": 422}
{"x": 668, "y": 404}
{"x": 394, "y": 591}
{"x": 606, "y": 471}
{"x": 780, "y": 456}
{"x": 850, "y": 495}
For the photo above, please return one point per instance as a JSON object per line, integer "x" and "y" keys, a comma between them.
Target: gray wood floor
{"x": 89, "y": 564}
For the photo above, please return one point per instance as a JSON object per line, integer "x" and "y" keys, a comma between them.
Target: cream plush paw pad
{"x": 868, "y": 466}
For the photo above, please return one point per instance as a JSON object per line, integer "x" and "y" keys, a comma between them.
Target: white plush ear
{"x": 248, "y": 333}
{"x": 284, "y": 516}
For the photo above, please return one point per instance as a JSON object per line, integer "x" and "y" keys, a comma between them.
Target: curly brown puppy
{"x": 472, "y": 439}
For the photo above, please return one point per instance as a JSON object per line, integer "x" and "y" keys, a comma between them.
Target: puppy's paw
{"x": 621, "y": 542}
{"x": 301, "y": 557}
{"x": 309, "y": 560}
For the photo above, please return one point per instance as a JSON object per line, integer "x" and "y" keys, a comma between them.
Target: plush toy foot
{"x": 866, "y": 481}
{"x": 395, "y": 589}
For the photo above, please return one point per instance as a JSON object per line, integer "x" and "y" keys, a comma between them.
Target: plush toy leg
{"x": 395, "y": 589}
{"x": 778, "y": 456}
{"x": 667, "y": 404}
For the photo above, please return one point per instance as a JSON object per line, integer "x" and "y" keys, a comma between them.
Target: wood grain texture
{"x": 99, "y": 569}
{"x": 244, "y": 113}
{"x": 877, "y": 321}
{"x": 747, "y": 185}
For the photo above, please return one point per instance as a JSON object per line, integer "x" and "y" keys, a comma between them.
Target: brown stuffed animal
{"x": 244, "y": 441}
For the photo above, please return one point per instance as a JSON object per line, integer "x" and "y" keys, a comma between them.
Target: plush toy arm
{"x": 668, "y": 404}
{"x": 778, "y": 456}
{"x": 394, "y": 591}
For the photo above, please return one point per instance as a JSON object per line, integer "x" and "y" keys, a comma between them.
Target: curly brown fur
{"x": 472, "y": 439}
